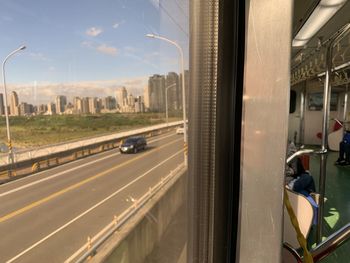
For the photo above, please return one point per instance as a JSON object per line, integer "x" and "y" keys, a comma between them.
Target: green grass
{"x": 42, "y": 130}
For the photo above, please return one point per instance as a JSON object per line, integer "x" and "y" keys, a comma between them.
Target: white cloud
{"x": 109, "y": 50}
{"x": 118, "y": 24}
{"x": 94, "y": 31}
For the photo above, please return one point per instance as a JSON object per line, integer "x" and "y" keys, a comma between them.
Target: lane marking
{"x": 76, "y": 185}
{"x": 67, "y": 171}
{"x": 91, "y": 208}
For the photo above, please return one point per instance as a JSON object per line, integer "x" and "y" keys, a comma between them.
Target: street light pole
{"x": 10, "y": 156}
{"x": 183, "y": 86}
{"x": 166, "y": 101}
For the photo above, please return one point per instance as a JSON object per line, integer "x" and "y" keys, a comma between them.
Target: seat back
{"x": 334, "y": 138}
{"x": 304, "y": 212}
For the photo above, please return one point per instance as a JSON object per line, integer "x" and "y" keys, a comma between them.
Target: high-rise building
{"x": 14, "y": 111}
{"x": 139, "y": 105}
{"x": 78, "y": 105}
{"x": 2, "y": 108}
{"x": 146, "y": 97}
{"x": 131, "y": 101}
{"x": 187, "y": 87}
{"x": 121, "y": 96}
{"x": 25, "y": 109}
{"x": 51, "y": 108}
{"x": 85, "y": 106}
{"x": 61, "y": 102}
{"x": 174, "y": 93}
{"x": 42, "y": 109}
{"x": 156, "y": 93}
{"x": 108, "y": 103}
{"x": 93, "y": 107}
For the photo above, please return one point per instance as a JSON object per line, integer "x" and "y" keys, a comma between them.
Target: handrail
{"x": 299, "y": 153}
{"x": 304, "y": 151}
{"x": 333, "y": 242}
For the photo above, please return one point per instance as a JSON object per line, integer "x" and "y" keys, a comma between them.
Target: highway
{"x": 48, "y": 216}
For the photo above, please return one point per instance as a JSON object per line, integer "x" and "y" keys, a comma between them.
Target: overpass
{"x": 48, "y": 216}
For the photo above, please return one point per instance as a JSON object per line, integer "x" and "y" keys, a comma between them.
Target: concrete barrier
{"x": 139, "y": 236}
{"x": 59, "y": 154}
{"x": 24, "y": 155}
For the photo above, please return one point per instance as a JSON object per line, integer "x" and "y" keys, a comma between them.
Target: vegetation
{"x": 42, "y": 130}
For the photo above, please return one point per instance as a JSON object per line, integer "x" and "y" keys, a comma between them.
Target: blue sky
{"x": 89, "y": 44}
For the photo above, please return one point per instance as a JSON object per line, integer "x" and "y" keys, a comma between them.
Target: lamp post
{"x": 10, "y": 157}
{"x": 166, "y": 101}
{"x": 183, "y": 86}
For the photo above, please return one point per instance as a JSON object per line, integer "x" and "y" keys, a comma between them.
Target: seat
{"x": 334, "y": 138}
{"x": 304, "y": 212}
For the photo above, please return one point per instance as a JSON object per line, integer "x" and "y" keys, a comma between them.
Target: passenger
{"x": 344, "y": 150}
{"x": 297, "y": 178}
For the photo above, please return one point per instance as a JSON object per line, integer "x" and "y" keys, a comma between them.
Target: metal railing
{"x": 95, "y": 242}
{"x": 23, "y": 155}
{"x": 333, "y": 242}
{"x": 44, "y": 158}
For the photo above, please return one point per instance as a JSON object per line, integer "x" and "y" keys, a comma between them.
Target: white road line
{"x": 69, "y": 170}
{"x": 90, "y": 209}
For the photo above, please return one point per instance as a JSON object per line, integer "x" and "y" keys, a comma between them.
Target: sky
{"x": 88, "y": 47}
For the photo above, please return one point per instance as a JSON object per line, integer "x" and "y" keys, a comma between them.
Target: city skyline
{"x": 120, "y": 99}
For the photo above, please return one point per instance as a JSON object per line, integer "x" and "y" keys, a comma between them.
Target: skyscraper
{"x": 51, "y": 108}
{"x": 187, "y": 87}
{"x": 78, "y": 105}
{"x": 139, "y": 104}
{"x": 174, "y": 93}
{"x": 2, "y": 108}
{"x": 108, "y": 103}
{"x": 85, "y": 106}
{"x": 121, "y": 96}
{"x": 146, "y": 97}
{"x": 93, "y": 108}
{"x": 156, "y": 93}
{"x": 25, "y": 109}
{"x": 61, "y": 102}
{"x": 14, "y": 111}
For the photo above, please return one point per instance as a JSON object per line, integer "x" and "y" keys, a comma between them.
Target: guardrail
{"x": 93, "y": 243}
{"x": 44, "y": 158}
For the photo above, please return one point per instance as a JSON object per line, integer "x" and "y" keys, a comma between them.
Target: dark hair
{"x": 300, "y": 167}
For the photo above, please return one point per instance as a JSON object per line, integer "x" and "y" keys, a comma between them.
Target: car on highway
{"x": 180, "y": 130}
{"x": 133, "y": 145}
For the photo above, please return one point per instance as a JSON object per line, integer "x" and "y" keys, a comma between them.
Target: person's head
{"x": 346, "y": 126}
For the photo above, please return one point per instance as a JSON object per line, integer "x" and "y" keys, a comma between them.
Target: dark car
{"x": 133, "y": 145}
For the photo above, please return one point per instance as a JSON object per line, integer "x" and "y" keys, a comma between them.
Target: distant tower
{"x": 61, "y": 102}
{"x": 2, "y": 108}
{"x": 51, "y": 108}
{"x": 14, "y": 104}
{"x": 121, "y": 96}
{"x": 156, "y": 93}
{"x": 93, "y": 105}
{"x": 78, "y": 105}
{"x": 174, "y": 93}
{"x": 146, "y": 97}
{"x": 85, "y": 105}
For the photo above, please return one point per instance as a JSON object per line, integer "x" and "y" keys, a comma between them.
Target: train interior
{"x": 320, "y": 66}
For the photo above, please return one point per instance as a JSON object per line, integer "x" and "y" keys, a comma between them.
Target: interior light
{"x": 319, "y": 17}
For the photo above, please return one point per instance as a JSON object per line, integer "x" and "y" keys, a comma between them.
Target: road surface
{"x": 48, "y": 216}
